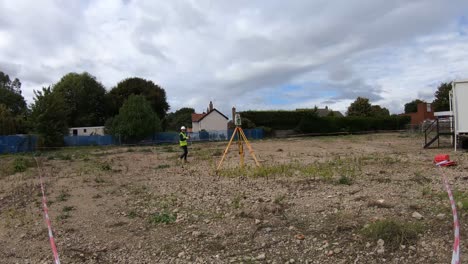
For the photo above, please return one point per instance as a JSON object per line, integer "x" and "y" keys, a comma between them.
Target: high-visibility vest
{"x": 182, "y": 139}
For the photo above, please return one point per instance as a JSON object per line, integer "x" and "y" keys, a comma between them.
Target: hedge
{"x": 309, "y": 122}
{"x": 351, "y": 124}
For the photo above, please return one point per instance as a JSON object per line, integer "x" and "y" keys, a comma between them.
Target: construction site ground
{"x": 347, "y": 199}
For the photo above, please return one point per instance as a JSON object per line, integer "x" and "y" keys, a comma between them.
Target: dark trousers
{"x": 184, "y": 155}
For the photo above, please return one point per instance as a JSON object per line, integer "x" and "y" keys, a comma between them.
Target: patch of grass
{"x": 236, "y": 202}
{"x": 345, "y": 180}
{"x": 132, "y": 214}
{"x": 163, "y": 218}
{"x": 279, "y": 199}
{"x": 20, "y": 165}
{"x": 130, "y": 150}
{"x": 163, "y": 166}
{"x": 393, "y": 232}
{"x": 105, "y": 166}
{"x": 146, "y": 150}
{"x": 99, "y": 180}
{"x": 67, "y": 209}
{"x": 419, "y": 178}
{"x": 63, "y": 156}
{"x": 63, "y": 196}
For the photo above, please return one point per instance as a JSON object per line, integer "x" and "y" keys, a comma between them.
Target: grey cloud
{"x": 221, "y": 50}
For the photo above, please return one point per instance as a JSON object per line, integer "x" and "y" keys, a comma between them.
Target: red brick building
{"x": 425, "y": 112}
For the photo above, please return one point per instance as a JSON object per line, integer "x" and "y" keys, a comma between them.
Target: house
{"x": 424, "y": 112}
{"x": 322, "y": 112}
{"x": 212, "y": 120}
{"x": 86, "y": 131}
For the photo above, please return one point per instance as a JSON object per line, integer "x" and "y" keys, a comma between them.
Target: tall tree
{"x": 412, "y": 107}
{"x": 49, "y": 116}
{"x": 85, "y": 98}
{"x": 378, "y": 111}
{"x": 360, "y": 107}
{"x": 181, "y": 117}
{"x": 7, "y": 121}
{"x": 136, "y": 120}
{"x": 10, "y": 95}
{"x": 138, "y": 86}
{"x": 441, "y": 101}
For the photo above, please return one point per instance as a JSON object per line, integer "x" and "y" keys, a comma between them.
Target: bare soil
{"x": 311, "y": 202}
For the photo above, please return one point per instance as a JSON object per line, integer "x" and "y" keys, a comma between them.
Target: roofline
{"x": 214, "y": 109}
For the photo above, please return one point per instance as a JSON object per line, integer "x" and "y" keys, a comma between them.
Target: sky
{"x": 255, "y": 55}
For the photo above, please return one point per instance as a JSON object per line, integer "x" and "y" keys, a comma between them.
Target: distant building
{"x": 425, "y": 112}
{"x": 87, "y": 131}
{"x": 322, "y": 112}
{"x": 212, "y": 120}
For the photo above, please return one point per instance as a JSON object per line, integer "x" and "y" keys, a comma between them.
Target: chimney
{"x": 211, "y": 106}
{"x": 207, "y": 110}
{"x": 233, "y": 113}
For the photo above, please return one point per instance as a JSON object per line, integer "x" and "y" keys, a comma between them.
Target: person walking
{"x": 183, "y": 143}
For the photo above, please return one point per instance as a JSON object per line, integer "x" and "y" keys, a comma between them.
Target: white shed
{"x": 459, "y": 107}
{"x": 87, "y": 131}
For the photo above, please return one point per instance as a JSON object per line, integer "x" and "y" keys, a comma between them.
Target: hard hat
{"x": 182, "y": 128}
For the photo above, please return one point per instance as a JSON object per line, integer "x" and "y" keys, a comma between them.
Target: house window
{"x": 428, "y": 108}
{"x": 75, "y": 132}
{"x": 84, "y": 130}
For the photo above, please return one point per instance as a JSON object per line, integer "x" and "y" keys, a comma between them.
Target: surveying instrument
{"x": 241, "y": 139}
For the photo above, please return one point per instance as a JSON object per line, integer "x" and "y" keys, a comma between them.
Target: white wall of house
{"x": 214, "y": 121}
{"x": 86, "y": 131}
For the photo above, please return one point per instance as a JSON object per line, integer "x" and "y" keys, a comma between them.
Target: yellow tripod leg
{"x": 226, "y": 150}
{"x": 249, "y": 147}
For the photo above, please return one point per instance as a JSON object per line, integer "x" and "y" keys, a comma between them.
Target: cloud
{"x": 239, "y": 51}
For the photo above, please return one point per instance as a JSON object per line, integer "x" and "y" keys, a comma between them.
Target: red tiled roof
{"x": 197, "y": 117}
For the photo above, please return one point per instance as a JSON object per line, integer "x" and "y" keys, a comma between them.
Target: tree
{"x": 49, "y": 115}
{"x": 136, "y": 120}
{"x": 441, "y": 101}
{"x": 138, "y": 86}
{"x": 412, "y": 107}
{"x": 10, "y": 95}
{"x": 7, "y": 121}
{"x": 85, "y": 98}
{"x": 378, "y": 111}
{"x": 360, "y": 107}
{"x": 181, "y": 117}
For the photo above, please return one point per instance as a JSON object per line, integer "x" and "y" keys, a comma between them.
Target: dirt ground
{"x": 315, "y": 200}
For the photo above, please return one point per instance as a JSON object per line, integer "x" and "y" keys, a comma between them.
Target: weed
{"x": 236, "y": 202}
{"x": 130, "y": 150}
{"x": 97, "y": 196}
{"x": 279, "y": 199}
{"x": 67, "y": 209}
{"x": 393, "y": 232}
{"x": 132, "y": 214}
{"x": 99, "y": 180}
{"x": 105, "y": 167}
{"x": 163, "y": 218}
{"x": 20, "y": 165}
{"x": 63, "y": 196}
{"x": 163, "y": 166}
{"x": 345, "y": 180}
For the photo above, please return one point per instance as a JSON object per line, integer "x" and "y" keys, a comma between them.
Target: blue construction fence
{"x": 28, "y": 143}
{"x": 17, "y": 144}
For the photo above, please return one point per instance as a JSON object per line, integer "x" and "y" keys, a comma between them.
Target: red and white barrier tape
{"x": 46, "y": 216}
{"x": 456, "y": 224}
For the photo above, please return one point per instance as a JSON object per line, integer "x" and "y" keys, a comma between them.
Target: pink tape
{"x": 456, "y": 224}
{"x": 46, "y": 216}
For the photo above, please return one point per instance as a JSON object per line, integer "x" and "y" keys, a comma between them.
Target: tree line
{"x": 132, "y": 109}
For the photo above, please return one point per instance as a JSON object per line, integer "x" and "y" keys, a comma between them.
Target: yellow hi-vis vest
{"x": 182, "y": 139}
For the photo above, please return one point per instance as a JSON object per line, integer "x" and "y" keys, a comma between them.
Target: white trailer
{"x": 459, "y": 107}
